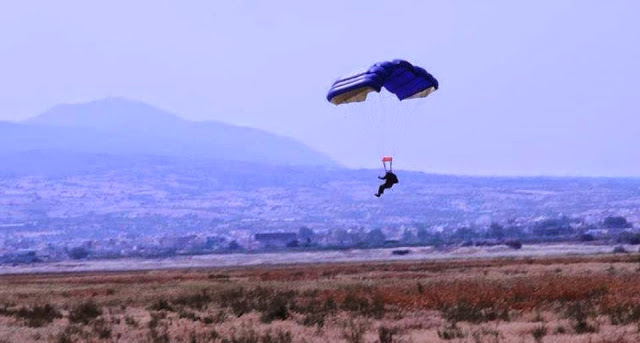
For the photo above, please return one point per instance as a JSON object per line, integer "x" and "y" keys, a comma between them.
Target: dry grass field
{"x": 554, "y": 299}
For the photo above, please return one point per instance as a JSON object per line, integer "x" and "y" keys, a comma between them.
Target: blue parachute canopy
{"x": 399, "y": 77}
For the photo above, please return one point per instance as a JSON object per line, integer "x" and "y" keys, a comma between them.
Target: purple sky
{"x": 527, "y": 87}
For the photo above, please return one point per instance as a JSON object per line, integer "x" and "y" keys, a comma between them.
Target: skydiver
{"x": 390, "y": 179}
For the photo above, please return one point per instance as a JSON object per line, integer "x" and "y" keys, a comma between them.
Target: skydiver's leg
{"x": 380, "y": 190}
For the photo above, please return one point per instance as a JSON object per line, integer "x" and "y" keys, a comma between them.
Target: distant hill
{"x": 118, "y": 126}
{"x": 114, "y": 195}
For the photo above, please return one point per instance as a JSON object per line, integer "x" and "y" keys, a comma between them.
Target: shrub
{"x": 102, "y": 329}
{"x": 579, "y": 312}
{"x": 221, "y": 277}
{"x": 451, "y": 332}
{"x": 377, "y": 306}
{"x": 315, "y": 312}
{"x": 587, "y": 237}
{"x": 616, "y": 339}
{"x": 78, "y": 253}
{"x": 276, "y": 310}
{"x": 240, "y": 307}
{"x": 539, "y": 332}
{"x": 354, "y": 303}
{"x": 220, "y": 317}
{"x": 196, "y": 301}
{"x": 188, "y": 315}
{"x": 513, "y": 244}
{"x": 85, "y": 312}
{"x": 161, "y": 305}
{"x": 538, "y": 317}
{"x": 162, "y": 337}
{"x": 235, "y": 299}
{"x": 616, "y": 222}
{"x": 217, "y": 318}
{"x": 130, "y": 321}
{"x": 623, "y": 314}
{"x": 626, "y": 237}
{"x": 67, "y": 335}
{"x": 465, "y": 312}
{"x": 619, "y": 249}
{"x": 64, "y": 337}
{"x": 385, "y": 334}
{"x": 420, "y": 288}
{"x": 311, "y": 306}
{"x": 214, "y": 335}
{"x": 245, "y": 336}
{"x": 280, "y": 336}
{"x": 311, "y": 319}
{"x": 354, "y": 331}
{"x": 38, "y": 315}
{"x": 480, "y": 335}
{"x": 329, "y": 305}
{"x": 156, "y": 317}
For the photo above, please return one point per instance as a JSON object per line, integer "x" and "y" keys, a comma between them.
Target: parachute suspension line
{"x": 381, "y": 121}
{"x": 394, "y": 131}
{"x": 403, "y": 118}
{"x": 352, "y": 115}
{"x": 376, "y": 117}
{"x": 396, "y": 77}
{"x": 390, "y": 129}
{"x": 372, "y": 118}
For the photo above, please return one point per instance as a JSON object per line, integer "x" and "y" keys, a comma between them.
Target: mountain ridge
{"x": 123, "y": 126}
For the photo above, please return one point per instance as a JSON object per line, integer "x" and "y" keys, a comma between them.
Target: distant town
{"x": 116, "y": 178}
{"x": 162, "y": 211}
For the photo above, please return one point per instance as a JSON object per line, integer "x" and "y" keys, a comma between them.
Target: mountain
{"x": 123, "y": 127}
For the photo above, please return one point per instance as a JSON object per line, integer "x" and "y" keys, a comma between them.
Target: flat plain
{"x": 593, "y": 298}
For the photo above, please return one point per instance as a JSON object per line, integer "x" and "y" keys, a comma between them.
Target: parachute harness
{"x": 385, "y": 160}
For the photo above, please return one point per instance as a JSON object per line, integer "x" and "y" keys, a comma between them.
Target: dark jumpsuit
{"x": 390, "y": 179}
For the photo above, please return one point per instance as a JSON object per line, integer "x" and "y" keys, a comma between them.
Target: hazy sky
{"x": 527, "y": 87}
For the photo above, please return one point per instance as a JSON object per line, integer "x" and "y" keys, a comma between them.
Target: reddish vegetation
{"x": 561, "y": 299}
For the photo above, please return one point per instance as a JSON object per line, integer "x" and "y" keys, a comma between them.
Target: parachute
{"x": 399, "y": 77}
